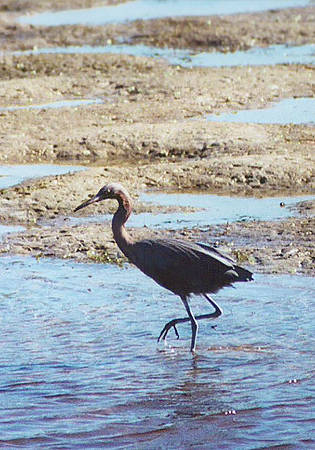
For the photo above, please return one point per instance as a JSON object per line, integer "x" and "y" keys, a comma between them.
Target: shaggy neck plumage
{"x": 121, "y": 236}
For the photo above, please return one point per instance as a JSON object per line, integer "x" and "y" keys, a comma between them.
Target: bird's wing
{"x": 242, "y": 274}
{"x": 169, "y": 253}
{"x": 215, "y": 251}
{"x": 180, "y": 265}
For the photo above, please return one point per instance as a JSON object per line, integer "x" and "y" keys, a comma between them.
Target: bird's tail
{"x": 243, "y": 274}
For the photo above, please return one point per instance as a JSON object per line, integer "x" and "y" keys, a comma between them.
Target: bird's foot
{"x": 168, "y": 326}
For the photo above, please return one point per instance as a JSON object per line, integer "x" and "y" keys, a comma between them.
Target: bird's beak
{"x": 96, "y": 198}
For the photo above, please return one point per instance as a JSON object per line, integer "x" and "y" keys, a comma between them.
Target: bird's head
{"x": 111, "y": 190}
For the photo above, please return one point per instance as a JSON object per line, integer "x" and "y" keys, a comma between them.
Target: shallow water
{"x": 80, "y": 366}
{"x": 275, "y": 54}
{"x": 290, "y": 110}
{"x": 211, "y": 210}
{"x": 5, "y": 229}
{"x": 154, "y": 9}
{"x": 55, "y": 105}
{"x": 11, "y": 175}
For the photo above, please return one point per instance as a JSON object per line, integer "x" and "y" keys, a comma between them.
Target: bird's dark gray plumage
{"x": 183, "y": 267}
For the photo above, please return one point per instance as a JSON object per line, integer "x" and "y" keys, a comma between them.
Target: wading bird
{"x": 182, "y": 267}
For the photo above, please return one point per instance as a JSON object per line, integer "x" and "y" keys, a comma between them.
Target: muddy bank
{"x": 50, "y": 197}
{"x": 225, "y": 33}
{"x": 150, "y": 132}
{"x": 277, "y": 247}
{"x": 147, "y": 117}
{"x": 273, "y": 247}
{"x": 130, "y": 81}
{"x": 29, "y": 6}
{"x": 45, "y": 207}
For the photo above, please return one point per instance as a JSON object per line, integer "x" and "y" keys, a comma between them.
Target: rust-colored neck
{"x": 121, "y": 236}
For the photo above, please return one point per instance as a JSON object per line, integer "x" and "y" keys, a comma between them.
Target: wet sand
{"x": 223, "y": 33}
{"x": 150, "y": 131}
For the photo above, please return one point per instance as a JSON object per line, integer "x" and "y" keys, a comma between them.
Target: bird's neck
{"x": 121, "y": 236}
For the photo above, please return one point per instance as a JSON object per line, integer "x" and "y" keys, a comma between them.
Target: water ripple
{"x": 83, "y": 368}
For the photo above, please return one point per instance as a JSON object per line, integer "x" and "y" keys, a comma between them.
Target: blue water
{"x": 275, "y": 54}
{"x": 290, "y": 110}
{"x": 211, "y": 210}
{"x": 55, "y": 105}
{"x": 80, "y": 366}
{"x": 5, "y": 229}
{"x": 155, "y": 9}
{"x": 11, "y": 175}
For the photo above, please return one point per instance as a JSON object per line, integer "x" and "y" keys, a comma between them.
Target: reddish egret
{"x": 182, "y": 267}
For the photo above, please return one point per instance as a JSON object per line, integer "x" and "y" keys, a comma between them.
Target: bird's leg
{"x": 172, "y": 323}
{"x": 194, "y": 324}
{"x": 176, "y": 332}
{"x": 218, "y": 311}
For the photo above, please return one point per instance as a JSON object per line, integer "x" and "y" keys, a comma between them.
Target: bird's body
{"x": 180, "y": 266}
{"x": 185, "y": 267}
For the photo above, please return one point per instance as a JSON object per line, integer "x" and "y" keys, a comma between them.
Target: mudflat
{"x": 150, "y": 130}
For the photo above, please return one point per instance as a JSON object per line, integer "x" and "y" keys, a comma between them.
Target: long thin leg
{"x": 172, "y": 324}
{"x": 218, "y": 311}
{"x": 194, "y": 324}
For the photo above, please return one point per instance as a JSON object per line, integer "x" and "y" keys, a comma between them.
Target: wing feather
{"x": 182, "y": 267}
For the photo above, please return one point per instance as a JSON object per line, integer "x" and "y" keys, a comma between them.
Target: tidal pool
{"x": 80, "y": 366}
{"x": 290, "y": 110}
{"x": 55, "y": 105}
{"x": 211, "y": 210}
{"x": 15, "y": 174}
{"x": 5, "y": 229}
{"x": 154, "y": 9}
{"x": 274, "y": 54}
